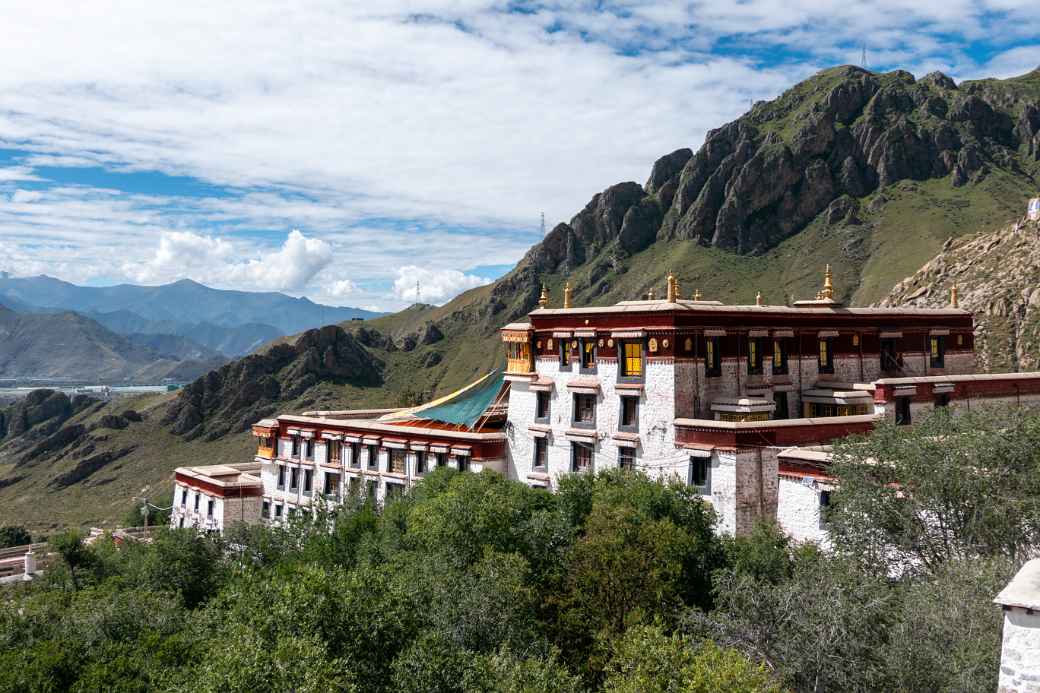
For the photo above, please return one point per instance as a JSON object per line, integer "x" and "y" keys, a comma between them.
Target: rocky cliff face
{"x": 997, "y": 275}
{"x": 844, "y": 133}
{"x": 235, "y": 396}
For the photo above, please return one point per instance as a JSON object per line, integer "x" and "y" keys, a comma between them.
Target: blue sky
{"x": 343, "y": 151}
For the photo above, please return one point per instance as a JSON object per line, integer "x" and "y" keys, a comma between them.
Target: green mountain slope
{"x": 871, "y": 173}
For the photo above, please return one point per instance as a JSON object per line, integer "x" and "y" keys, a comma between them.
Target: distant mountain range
{"x": 63, "y": 346}
{"x": 232, "y": 323}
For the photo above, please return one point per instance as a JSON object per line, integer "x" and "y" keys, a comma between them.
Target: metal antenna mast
{"x": 863, "y": 59}
{"x": 543, "y": 224}
{"x": 418, "y": 294}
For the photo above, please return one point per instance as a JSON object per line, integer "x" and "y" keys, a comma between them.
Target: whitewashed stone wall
{"x": 1020, "y": 652}
{"x": 798, "y": 511}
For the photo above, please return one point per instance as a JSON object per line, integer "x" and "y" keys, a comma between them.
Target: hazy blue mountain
{"x": 229, "y": 341}
{"x": 70, "y": 346}
{"x": 184, "y": 302}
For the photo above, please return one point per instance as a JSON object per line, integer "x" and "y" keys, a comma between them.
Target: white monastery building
{"x": 739, "y": 401}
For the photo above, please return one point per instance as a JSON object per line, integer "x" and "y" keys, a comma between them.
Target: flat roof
{"x": 226, "y": 475}
{"x": 404, "y": 428}
{"x": 717, "y": 307}
{"x": 1024, "y": 589}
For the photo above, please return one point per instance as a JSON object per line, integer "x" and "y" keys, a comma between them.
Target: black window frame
{"x": 903, "y": 415}
{"x": 402, "y": 454}
{"x": 565, "y": 354}
{"x": 355, "y": 455}
{"x": 326, "y": 483}
{"x": 756, "y": 365}
{"x": 700, "y": 474}
{"x": 279, "y": 510}
{"x": 785, "y": 410}
{"x": 281, "y": 477}
{"x": 210, "y": 507}
{"x": 295, "y": 452}
{"x": 937, "y": 361}
{"x": 623, "y": 374}
{"x": 420, "y": 462}
{"x": 308, "y": 482}
{"x": 942, "y": 400}
{"x": 586, "y": 453}
{"x": 542, "y": 406}
{"x": 583, "y": 344}
{"x": 627, "y": 458}
{"x": 265, "y": 510}
{"x": 541, "y": 445}
{"x": 825, "y": 507}
{"x": 197, "y": 497}
{"x": 462, "y": 462}
{"x": 624, "y": 424}
{"x": 781, "y": 347}
{"x": 294, "y": 478}
{"x": 825, "y": 344}
{"x": 373, "y": 457}
{"x": 184, "y": 497}
{"x": 713, "y": 368}
{"x": 308, "y": 449}
{"x": 577, "y": 409}
{"x": 441, "y": 459}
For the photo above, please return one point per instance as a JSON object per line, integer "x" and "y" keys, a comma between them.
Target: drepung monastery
{"x": 739, "y": 401}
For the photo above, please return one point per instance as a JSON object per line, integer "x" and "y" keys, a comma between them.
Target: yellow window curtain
{"x": 633, "y": 358}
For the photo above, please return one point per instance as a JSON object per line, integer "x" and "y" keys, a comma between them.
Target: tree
{"x": 76, "y": 555}
{"x": 14, "y": 535}
{"x": 949, "y": 488}
{"x": 646, "y": 660}
{"x": 185, "y": 562}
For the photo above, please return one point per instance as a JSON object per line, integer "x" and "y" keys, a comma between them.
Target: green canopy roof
{"x": 463, "y": 407}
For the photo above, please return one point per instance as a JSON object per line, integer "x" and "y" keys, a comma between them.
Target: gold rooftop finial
{"x": 828, "y": 284}
{"x": 678, "y": 294}
{"x": 567, "y": 295}
{"x": 543, "y": 300}
{"x": 758, "y": 299}
{"x": 650, "y": 295}
{"x": 955, "y": 297}
{"x": 671, "y": 288}
{"x": 696, "y": 294}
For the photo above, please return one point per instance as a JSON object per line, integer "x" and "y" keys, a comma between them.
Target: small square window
{"x": 902, "y": 411}
{"x": 937, "y": 352}
{"x": 308, "y": 480}
{"x": 627, "y": 459}
{"x": 565, "y": 353}
{"x": 542, "y": 406}
{"x": 700, "y": 474}
{"x": 780, "y": 357}
{"x": 296, "y": 446}
{"x": 632, "y": 363}
{"x": 754, "y": 355}
{"x": 373, "y": 457}
{"x": 581, "y": 457}
{"x": 584, "y": 408}
{"x": 588, "y": 354}
{"x": 420, "y": 462}
{"x": 942, "y": 400}
{"x": 825, "y": 360}
{"x": 541, "y": 453}
{"x": 278, "y": 510}
{"x": 294, "y": 479}
{"x": 630, "y": 412}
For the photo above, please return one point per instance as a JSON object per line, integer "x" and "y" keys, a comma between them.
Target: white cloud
{"x": 24, "y": 196}
{"x": 435, "y": 285}
{"x": 342, "y": 288}
{"x": 219, "y": 262}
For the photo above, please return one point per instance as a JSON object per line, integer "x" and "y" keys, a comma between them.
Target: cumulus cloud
{"x": 219, "y": 262}
{"x": 435, "y": 285}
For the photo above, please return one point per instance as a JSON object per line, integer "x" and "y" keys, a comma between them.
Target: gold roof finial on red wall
{"x": 696, "y": 294}
{"x": 567, "y": 295}
{"x": 543, "y": 300}
{"x": 670, "y": 295}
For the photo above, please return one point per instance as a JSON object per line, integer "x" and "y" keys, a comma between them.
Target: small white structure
{"x": 212, "y": 497}
{"x": 1020, "y": 652}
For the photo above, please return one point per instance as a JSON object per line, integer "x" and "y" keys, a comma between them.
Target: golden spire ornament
{"x": 543, "y": 300}
{"x": 670, "y": 295}
{"x": 650, "y": 296}
{"x": 828, "y": 284}
{"x": 954, "y": 297}
{"x": 567, "y": 295}
{"x": 696, "y": 294}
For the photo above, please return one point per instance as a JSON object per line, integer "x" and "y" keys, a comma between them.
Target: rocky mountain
{"x": 69, "y": 346}
{"x": 997, "y": 275}
{"x": 229, "y": 341}
{"x": 872, "y": 173}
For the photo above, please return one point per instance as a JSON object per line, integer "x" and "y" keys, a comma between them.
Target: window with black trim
{"x": 184, "y": 495}
{"x": 755, "y": 356}
{"x": 296, "y": 446}
{"x": 371, "y": 488}
{"x": 294, "y": 479}
{"x": 278, "y": 510}
{"x": 541, "y": 411}
{"x": 308, "y": 449}
{"x": 209, "y": 508}
{"x": 632, "y": 359}
{"x": 420, "y": 462}
{"x": 936, "y": 352}
{"x": 331, "y": 485}
{"x": 627, "y": 459}
{"x": 373, "y": 457}
{"x": 265, "y": 510}
{"x": 581, "y": 457}
{"x": 588, "y": 354}
{"x": 825, "y": 360}
{"x": 825, "y": 507}
{"x": 902, "y": 411}
{"x": 780, "y": 410}
{"x": 780, "y": 351}
{"x": 541, "y": 453}
{"x": 442, "y": 459}
{"x": 565, "y": 353}
{"x": 584, "y": 409}
{"x": 462, "y": 462}
{"x": 308, "y": 481}
{"x": 197, "y": 496}
{"x": 942, "y": 400}
{"x": 281, "y": 477}
{"x": 629, "y": 413}
{"x": 396, "y": 461}
{"x": 700, "y": 474}
{"x": 712, "y": 357}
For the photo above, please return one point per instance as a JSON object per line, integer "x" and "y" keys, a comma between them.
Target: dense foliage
{"x": 472, "y": 582}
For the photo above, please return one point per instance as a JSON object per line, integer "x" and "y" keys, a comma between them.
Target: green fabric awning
{"x": 463, "y": 407}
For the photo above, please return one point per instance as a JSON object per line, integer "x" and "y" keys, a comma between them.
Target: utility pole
{"x": 863, "y": 58}
{"x": 543, "y": 224}
{"x": 418, "y": 293}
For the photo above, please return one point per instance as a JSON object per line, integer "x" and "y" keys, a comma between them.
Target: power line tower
{"x": 863, "y": 57}
{"x": 543, "y": 224}
{"x": 418, "y": 293}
